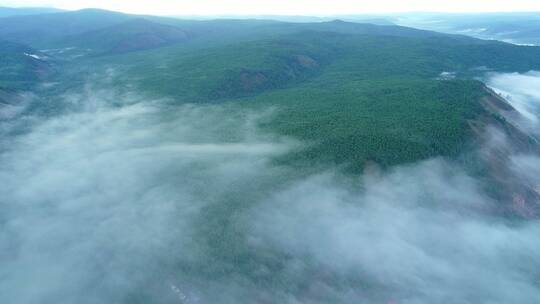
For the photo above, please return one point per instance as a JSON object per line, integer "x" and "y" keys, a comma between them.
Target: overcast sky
{"x": 285, "y": 7}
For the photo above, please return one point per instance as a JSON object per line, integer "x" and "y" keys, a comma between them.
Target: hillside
{"x": 380, "y": 87}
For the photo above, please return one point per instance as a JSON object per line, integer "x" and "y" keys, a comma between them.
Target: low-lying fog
{"x": 523, "y": 92}
{"x": 149, "y": 203}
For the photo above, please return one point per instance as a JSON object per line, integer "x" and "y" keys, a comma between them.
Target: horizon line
{"x": 275, "y": 14}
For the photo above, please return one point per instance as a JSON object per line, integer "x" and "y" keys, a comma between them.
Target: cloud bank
{"x": 125, "y": 200}
{"x": 522, "y": 91}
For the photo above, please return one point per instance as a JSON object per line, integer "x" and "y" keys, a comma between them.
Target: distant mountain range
{"x": 11, "y": 11}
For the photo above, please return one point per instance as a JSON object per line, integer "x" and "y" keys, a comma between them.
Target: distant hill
{"x": 295, "y": 19}
{"x": 12, "y": 11}
{"x": 42, "y": 31}
{"x": 132, "y": 35}
{"x": 51, "y": 30}
{"x": 99, "y": 31}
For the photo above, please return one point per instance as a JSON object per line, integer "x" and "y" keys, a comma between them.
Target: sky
{"x": 284, "y": 7}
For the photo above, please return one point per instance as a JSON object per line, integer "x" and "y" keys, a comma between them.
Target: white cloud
{"x": 412, "y": 236}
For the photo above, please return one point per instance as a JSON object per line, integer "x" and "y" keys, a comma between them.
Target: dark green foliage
{"x": 389, "y": 121}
